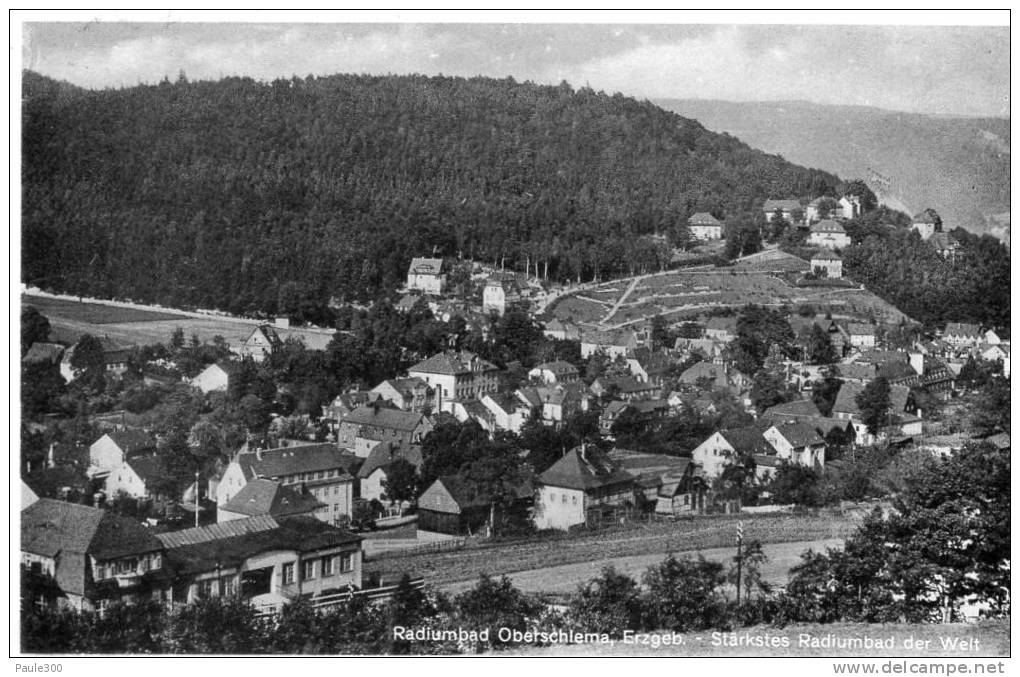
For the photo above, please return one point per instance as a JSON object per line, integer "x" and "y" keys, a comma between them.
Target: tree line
{"x": 256, "y": 196}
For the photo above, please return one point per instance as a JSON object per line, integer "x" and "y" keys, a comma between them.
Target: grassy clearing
{"x": 971, "y": 641}
{"x": 129, "y": 326}
{"x": 656, "y": 538}
{"x": 95, "y": 313}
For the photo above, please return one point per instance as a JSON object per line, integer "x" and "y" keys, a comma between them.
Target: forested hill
{"x": 225, "y": 194}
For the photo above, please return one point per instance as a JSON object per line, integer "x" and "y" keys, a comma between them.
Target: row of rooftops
{"x": 69, "y": 532}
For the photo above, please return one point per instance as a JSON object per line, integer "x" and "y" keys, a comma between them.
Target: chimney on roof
{"x": 50, "y": 462}
{"x": 258, "y": 453}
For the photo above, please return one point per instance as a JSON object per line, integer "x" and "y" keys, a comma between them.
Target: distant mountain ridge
{"x": 957, "y": 165}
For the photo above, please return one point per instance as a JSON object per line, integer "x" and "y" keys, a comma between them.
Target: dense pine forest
{"x": 231, "y": 194}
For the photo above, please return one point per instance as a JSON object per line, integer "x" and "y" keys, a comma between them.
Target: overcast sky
{"x": 927, "y": 69}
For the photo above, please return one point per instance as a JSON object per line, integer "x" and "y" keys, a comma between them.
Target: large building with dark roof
{"x": 86, "y": 558}
{"x": 378, "y": 422}
{"x": 583, "y": 483}
{"x": 266, "y": 560}
{"x": 454, "y": 375}
{"x": 321, "y": 470}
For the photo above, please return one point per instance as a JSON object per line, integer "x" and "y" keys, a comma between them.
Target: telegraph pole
{"x": 196, "y": 501}
{"x": 740, "y": 558}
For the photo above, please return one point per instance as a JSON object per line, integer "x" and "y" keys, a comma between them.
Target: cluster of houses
{"x": 427, "y": 279}
{"x": 281, "y": 516}
{"x": 821, "y": 217}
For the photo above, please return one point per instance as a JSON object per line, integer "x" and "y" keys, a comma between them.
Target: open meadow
{"x": 128, "y": 325}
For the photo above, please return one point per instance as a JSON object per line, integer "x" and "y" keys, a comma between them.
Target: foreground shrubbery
{"x": 946, "y": 543}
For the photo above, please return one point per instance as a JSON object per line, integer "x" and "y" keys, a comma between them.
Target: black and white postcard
{"x": 511, "y": 335}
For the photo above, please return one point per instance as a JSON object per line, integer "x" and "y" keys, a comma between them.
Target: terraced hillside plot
{"x": 680, "y": 294}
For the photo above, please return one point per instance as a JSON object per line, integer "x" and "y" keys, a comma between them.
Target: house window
{"x": 229, "y": 585}
{"x": 308, "y": 570}
{"x": 206, "y": 588}
{"x": 288, "y": 573}
{"x": 575, "y": 500}
{"x": 564, "y": 498}
{"x": 328, "y": 566}
{"x": 346, "y": 563}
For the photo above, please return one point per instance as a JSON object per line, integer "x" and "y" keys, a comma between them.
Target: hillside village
{"x": 519, "y": 420}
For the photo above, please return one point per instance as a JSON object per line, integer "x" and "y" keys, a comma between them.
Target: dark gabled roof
{"x": 846, "y": 399}
{"x": 269, "y": 332}
{"x": 132, "y": 441}
{"x": 557, "y": 367}
{"x": 284, "y": 461}
{"x": 385, "y": 453}
{"x": 703, "y": 219}
{"x": 49, "y": 527}
{"x": 425, "y": 266}
{"x": 962, "y": 329}
{"x": 404, "y": 386}
{"x": 799, "y": 434}
{"x": 614, "y": 408}
{"x": 266, "y": 497}
{"x": 882, "y": 357}
{"x": 453, "y": 363}
{"x": 555, "y": 394}
{"x": 700, "y": 370}
{"x": 924, "y": 217}
{"x": 827, "y": 226}
{"x": 384, "y": 417}
{"x": 858, "y": 371}
{"x": 229, "y": 544}
{"x": 585, "y": 470}
{"x": 897, "y": 371}
{"x": 747, "y": 440}
{"x": 795, "y": 408}
{"x": 785, "y": 205}
{"x": 505, "y": 401}
{"x": 352, "y": 400}
{"x": 148, "y": 468}
{"x": 640, "y": 463}
{"x": 649, "y": 406}
{"x": 468, "y": 494}
{"x": 826, "y": 256}
{"x": 653, "y": 362}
